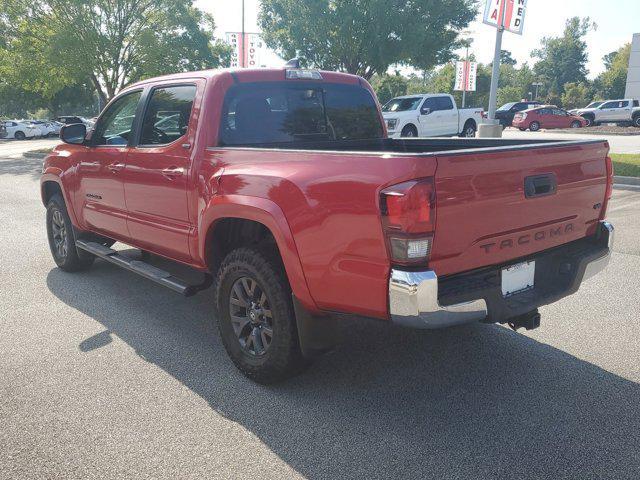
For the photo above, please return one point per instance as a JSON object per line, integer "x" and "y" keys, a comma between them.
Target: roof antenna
{"x": 293, "y": 63}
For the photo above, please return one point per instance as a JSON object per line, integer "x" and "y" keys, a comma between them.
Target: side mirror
{"x": 425, "y": 111}
{"x": 74, "y": 134}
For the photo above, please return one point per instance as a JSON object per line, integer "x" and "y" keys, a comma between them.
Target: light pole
{"x": 536, "y": 84}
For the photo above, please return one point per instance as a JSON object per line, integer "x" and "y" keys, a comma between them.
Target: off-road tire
{"x": 283, "y": 358}
{"x": 62, "y": 239}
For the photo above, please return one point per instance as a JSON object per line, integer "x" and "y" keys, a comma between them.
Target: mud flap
{"x": 318, "y": 334}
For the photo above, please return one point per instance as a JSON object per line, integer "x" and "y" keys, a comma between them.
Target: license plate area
{"x": 518, "y": 278}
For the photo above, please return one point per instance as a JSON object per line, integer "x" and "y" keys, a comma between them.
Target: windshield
{"x": 401, "y": 104}
{"x": 506, "y": 106}
{"x": 277, "y": 112}
{"x": 594, "y": 104}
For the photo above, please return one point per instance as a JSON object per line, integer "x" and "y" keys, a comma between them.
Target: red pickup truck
{"x": 281, "y": 187}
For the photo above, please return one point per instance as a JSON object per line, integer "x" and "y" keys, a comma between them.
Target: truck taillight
{"x": 408, "y": 217}
{"x": 609, "y": 189}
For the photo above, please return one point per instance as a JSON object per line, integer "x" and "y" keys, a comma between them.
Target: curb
{"x": 34, "y": 155}
{"x": 618, "y": 180}
{"x": 579, "y": 132}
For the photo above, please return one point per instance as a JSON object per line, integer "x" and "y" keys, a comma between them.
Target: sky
{"x": 617, "y": 21}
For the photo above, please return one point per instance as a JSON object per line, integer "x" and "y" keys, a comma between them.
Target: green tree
{"x": 612, "y": 82}
{"x": 52, "y": 44}
{"x": 389, "y": 86}
{"x": 563, "y": 59}
{"x": 576, "y": 95}
{"x": 507, "y": 59}
{"x": 365, "y": 37}
{"x": 509, "y": 94}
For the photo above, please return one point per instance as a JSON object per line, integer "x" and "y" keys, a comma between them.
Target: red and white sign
{"x": 466, "y": 73}
{"x": 512, "y": 11}
{"x": 245, "y": 54}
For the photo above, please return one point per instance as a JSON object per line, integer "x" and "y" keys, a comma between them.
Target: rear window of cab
{"x": 290, "y": 112}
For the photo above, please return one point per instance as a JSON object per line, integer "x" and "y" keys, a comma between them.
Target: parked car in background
{"x": 548, "y": 117}
{"x": 429, "y": 115}
{"x": 20, "y": 130}
{"x": 625, "y": 110}
{"x": 47, "y": 128}
{"x": 70, "y": 119}
{"x": 507, "y": 111}
{"x": 576, "y": 111}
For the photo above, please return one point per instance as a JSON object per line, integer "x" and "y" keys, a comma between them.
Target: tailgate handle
{"x": 540, "y": 185}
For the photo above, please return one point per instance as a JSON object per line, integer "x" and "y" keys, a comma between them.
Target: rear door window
{"x": 167, "y": 115}
{"x": 444, "y": 103}
{"x": 285, "y": 112}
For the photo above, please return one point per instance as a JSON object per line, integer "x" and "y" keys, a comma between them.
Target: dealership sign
{"x": 511, "y": 11}
{"x": 466, "y": 76}
{"x": 245, "y": 50}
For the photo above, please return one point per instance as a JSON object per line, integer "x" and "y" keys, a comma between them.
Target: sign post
{"x": 503, "y": 15}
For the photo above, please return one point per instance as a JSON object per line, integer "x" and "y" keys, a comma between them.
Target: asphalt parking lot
{"x": 106, "y": 375}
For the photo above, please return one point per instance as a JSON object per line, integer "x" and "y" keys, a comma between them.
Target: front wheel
{"x": 61, "y": 238}
{"x": 590, "y": 121}
{"x": 534, "y": 127}
{"x": 636, "y": 121}
{"x": 576, "y": 124}
{"x": 409, "y": 131}
{"x": 522, "y": 129}
{"x": 19, "y": 135}
{"x": 256, "y": 318}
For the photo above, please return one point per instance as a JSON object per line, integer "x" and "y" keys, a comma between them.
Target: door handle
{"x": 540, "y": 185}
{"x": 115, "y": 167}
{"x": 172, "y": 172}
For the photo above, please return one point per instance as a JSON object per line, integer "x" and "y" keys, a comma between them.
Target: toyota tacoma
{"x": 281, "y": 188}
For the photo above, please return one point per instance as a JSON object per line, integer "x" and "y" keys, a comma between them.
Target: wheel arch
{"x": 231, "y": 221}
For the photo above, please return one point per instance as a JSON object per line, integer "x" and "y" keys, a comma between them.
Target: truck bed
{"x": 483, "y": 215}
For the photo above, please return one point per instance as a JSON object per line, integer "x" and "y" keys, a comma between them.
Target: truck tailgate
{"x": 484, "y": 216}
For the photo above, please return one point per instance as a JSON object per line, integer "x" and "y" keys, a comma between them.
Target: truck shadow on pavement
{"x": 22, "y": 166}
{"x": 473, "y": 402}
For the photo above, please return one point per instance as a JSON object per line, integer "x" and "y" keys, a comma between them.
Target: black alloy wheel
{"x": 251, "y": 316}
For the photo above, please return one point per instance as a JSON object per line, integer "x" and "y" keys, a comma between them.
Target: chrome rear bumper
{"x": 413, "y": 296}
{"x": 413, "y": 302}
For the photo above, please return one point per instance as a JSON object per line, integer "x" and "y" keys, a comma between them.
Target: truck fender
{"x": 54, "y": 174}
{"x": 271, "y": 216}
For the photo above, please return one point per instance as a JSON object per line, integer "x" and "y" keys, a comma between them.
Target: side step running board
{"x": 155, "y": 274}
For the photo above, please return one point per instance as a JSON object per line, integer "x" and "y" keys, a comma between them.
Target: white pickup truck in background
{"x": 626, "y": 110}
{"x": 429, "y": 115}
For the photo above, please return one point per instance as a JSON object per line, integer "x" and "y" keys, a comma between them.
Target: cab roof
{"x": 247, "y": 75}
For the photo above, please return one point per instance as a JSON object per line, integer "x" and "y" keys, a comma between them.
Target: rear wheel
{"x": 256, "y": 318}
{"x": 19, "y": 135}
{"x": 469, "y": 130}
{"x": 534, "y": 126}
{"x": 576, "y": 124}
{"x": 409, "y": 131}
{"x": 61, "y": 238}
